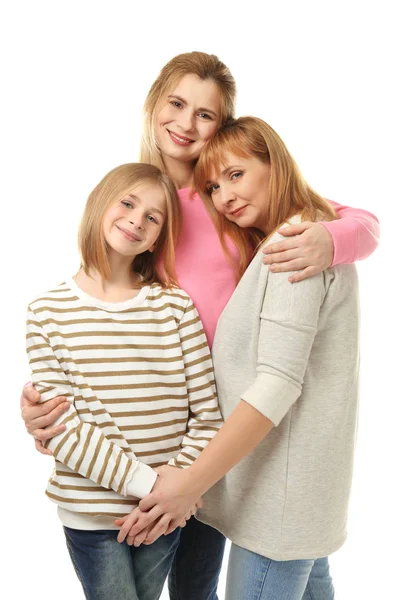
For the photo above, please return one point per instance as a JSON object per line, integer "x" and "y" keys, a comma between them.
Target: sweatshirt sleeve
{"x": 204, "y": 415}
{"x": 288, "y": 324}
{"x": 81, "y": 446}
{"x": 355, "y": 234}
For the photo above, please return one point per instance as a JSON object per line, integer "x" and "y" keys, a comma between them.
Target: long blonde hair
{"x": 206, "y": 67}
{"x": 158, "y": 266}
{"x": 289, "y": 194}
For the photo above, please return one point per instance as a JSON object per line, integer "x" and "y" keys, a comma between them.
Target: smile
{"x": 131, "y": 237}
{"x": 182, "y": 141}
{"x": 238, "y": 211}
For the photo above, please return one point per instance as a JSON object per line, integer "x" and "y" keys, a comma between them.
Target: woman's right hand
{"x": 39, "y": 418}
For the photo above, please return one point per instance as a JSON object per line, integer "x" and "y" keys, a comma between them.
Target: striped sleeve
{"x": 81, "y": 446}
{"x": 205, "y": 418}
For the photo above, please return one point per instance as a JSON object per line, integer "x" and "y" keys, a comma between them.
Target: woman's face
{"x": 240, "y": 190}
{"x": 134, "y": 223}
{"x": 189, "y": 116}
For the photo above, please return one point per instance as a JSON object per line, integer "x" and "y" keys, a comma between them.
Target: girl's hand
{"x": 39, "y": 417}
{"x": 309, "y": 250}
{"x": 128, "y": 521}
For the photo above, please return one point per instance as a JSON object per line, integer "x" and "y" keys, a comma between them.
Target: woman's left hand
{"x": 308, "y": 250}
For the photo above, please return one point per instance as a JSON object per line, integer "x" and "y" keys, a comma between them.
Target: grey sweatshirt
{"x": 292, "y": 352}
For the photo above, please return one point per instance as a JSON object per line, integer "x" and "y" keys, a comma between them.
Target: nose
{"x": 227, "y": 196}
{"x": 186, "y": 121}
{"x": 138, "y": 222}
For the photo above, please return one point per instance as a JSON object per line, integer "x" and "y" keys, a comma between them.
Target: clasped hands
{"x": 171, "y": 503}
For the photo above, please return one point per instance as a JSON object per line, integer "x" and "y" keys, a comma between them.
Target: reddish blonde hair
{"x": 154, "y": 267}
{"x": 289, "y": 193}
{"x": 205, "y": 66}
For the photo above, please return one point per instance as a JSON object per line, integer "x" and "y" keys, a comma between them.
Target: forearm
{"x": 242, "y": 432}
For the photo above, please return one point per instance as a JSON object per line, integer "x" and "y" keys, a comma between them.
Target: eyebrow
{"x": 225, "y": 171}
{"x": 184, "y": 102}
{"x": 152, "y": 209}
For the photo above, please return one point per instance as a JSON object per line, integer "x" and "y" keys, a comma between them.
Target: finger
{"x": 149, "y": 502}
{"x": 46, "y": 434}
{"x": 292, "y": 265}
{"x": 281, "y": 246}
{"x": 30, "y": 413}
{"x": 160, "y": 528}
{"x": 139, "y": 539}
{"x": 146, "y": 519}
{"x": 121, "y": 521}
{"x": 126, "y": 527}
{"x": 47, "y": 421}
{"x": 284, "y": 256}
{"x": 29, "y": 394}
{"x": 304, "y": 274}
{"x": 40, "y": 448}
{"x": 296, "y": 229}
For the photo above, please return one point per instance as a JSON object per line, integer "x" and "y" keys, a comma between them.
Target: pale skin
{"x": 192, "y": 109}
{"x": 240, "y": 192}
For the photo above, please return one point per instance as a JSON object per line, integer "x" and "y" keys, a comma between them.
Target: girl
{"x": 192, "y": 96}
{"x": 289, "y": 400}
{"x": 126, "y": 348}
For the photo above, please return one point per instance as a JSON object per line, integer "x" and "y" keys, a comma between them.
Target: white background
{"x": 74, "y": 78}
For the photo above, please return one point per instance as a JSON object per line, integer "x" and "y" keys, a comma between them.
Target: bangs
{"x": 213, "y": 158}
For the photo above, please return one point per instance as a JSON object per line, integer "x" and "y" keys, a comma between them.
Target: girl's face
{"x": 133, "y": 225}
{"x": 240, "y": 190}
{"x": 190, "y": 115}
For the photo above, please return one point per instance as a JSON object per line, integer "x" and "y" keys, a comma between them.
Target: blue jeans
{"x": 109, "y": 570}
{"x": 197, "y": 563}
{"x": 254, "y": 577}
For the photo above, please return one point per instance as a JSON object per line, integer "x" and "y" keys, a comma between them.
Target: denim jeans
{"x": 109, "y": 570}
{"x": 254, "y": 577}
{"x": 197, "y": 563}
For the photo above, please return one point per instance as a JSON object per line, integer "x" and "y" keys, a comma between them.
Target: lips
{"x": 181, "y": 140}
{"x": 128, "y": 235}
{"x": 238, "y": 211}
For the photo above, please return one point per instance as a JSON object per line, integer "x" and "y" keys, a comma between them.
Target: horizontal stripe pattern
{"x": 140, "y": 384}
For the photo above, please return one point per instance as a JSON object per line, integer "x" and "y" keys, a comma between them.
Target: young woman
{"x": 193, "y": 95}
{"x": 127, "y": 350}
{"x": 286, "y": 365}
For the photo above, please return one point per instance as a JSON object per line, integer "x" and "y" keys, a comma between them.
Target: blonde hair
{"x": 206, "y": 67}
{"x": 158, "y": 266}
{"x": 289, "y": 193}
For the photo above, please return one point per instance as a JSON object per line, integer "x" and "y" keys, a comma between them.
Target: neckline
{"x": 109, "y": 306}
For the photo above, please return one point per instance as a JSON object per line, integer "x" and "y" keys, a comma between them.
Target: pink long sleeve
{"x": 355, "y": 235}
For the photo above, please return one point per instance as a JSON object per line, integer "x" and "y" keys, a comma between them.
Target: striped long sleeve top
{"x": 140, "y": 382}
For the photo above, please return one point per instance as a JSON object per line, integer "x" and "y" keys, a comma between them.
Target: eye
{"x": 236, "y": 175}
{"x": 212, "y": 188}
{"x": 205, "y": 116}
{"x": 127, "y": 203}
{"x": 152, "y": 219}
{"x": 176, "y": 103}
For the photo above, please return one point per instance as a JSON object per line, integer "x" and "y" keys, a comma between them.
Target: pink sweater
{"x": 206, "y": 275}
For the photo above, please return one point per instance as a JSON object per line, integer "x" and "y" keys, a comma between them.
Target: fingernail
{"x": 272, "y": 268}
{"x": 66, "y": 406}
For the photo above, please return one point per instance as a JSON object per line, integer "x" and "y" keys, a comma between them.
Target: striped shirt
{"x": 140, "y": 382}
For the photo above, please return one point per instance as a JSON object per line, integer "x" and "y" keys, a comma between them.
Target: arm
{"x": 81, "y": 446}
{"x": 313, "y": 247}
{"x": 288, "y": 323}
{"x": 204, "y": 415}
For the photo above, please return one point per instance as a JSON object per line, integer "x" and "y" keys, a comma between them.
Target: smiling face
{"x": 187, "y": 118}
{"x": 240, "y": 190}
{"x": 133, "y": 225}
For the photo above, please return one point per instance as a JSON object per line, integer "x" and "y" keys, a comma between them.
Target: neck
{"x": 180, "y": 172}
{"x": 121, "y": 277}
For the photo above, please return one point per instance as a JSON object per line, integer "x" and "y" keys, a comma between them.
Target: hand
{"x": 126, "y": 523}
{"x": 39, "y": 417}
{"x": 174, "y": 496}
{"x": 309, "y": 250}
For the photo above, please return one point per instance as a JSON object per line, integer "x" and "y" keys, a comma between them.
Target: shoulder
{"x": 56, "y": 295}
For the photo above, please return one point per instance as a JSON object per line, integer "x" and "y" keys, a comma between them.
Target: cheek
{"x": 207, "y": 130}
{"x": 164, "y": 116}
